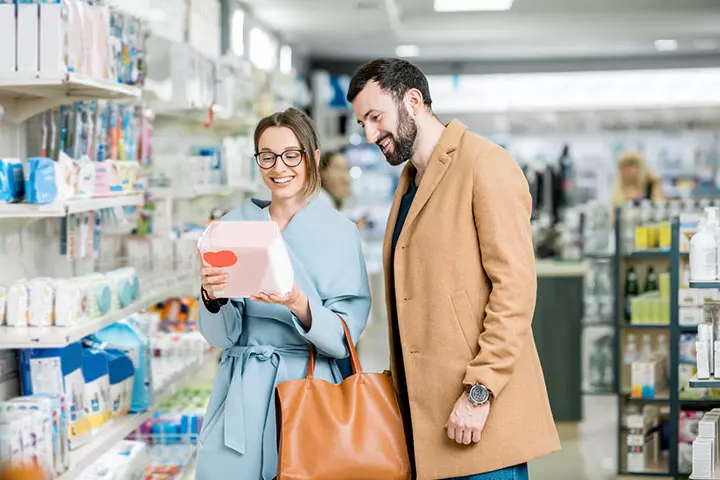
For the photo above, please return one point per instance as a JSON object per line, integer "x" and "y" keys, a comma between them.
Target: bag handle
{"x": 354, "y": 359}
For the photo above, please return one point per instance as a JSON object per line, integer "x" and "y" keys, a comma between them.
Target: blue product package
{"x": 126, "y": 337}
{"x": 122, "y": 372}
{"x": 40, "y": 183}
{"x": 97, "y": 387}
{"x": 58, "y": 371}
{"x": 12, "y": 180}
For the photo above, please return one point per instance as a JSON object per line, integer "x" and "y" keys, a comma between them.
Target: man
{"x": 461, "y": 285}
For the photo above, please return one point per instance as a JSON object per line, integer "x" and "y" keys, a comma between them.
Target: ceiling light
{"x": 472, "y": 5}
{"x": 407, "y": 51}
{"x": 705, "y": 44}
{"x": 666, "y": 45}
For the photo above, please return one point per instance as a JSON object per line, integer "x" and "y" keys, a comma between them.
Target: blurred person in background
{"x": 461, "y": 286}
{"x": 635, "y": 181}
{"x": 334, "y": 179}
{"x": 267, "y": 338}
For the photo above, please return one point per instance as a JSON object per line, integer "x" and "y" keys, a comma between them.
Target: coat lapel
{"x": 403, "y": 184}
{"x": 439, "y": 163}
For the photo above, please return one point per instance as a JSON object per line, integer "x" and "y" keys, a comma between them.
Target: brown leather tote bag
{"x": 350, "y": 431}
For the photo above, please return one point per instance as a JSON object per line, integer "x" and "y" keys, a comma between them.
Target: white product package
{"x": 17, "y": 305}
{"x": 253, "y": 253}
{"x": 41, "y": 307}
{"x": 69, "y": 300}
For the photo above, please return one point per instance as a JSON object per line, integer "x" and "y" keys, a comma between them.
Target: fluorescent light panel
{"x": 405, "y": 51}
{"x": 472, "y": 5}
{"x": 666, "y": 45}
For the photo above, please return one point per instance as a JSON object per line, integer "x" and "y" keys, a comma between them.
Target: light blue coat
{"x": 266, "y": 344}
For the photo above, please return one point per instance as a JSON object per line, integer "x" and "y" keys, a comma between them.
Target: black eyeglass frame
{"x": 281, "y": 156}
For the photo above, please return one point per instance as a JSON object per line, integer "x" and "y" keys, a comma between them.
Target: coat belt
{"x": 236, "y": 359}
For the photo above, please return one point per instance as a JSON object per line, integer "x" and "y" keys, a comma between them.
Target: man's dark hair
{"x": 395, "y": 76}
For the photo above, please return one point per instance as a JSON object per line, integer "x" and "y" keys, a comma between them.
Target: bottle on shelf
{"x": 647, "y": 353}
{"x": 631, "y": 290}
{"x": 703, "y": 248}
{"x": 662, "y": 353}
{"x": 630, "y": 355}
{"x": 651, "y": 280}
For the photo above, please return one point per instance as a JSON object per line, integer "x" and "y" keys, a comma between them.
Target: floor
{"x": 589, "y": 448}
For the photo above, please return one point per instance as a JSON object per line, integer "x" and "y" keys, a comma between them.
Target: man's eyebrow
{"x": 366, "y": 115}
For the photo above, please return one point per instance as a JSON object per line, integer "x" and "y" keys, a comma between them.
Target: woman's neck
{"x": 282, "y": 210}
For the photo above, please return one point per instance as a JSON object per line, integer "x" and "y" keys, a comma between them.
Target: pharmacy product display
{"x": 57, "y": 37}
{"x": 46, "y": 302}
{"x": 163, "y": 446}
{"x": 705, "y": 447}
{"x": 91, "y": 149}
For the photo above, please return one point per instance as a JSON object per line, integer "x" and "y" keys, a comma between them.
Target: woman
{"x": 267, "y": 338}
{"x": 635, "y": 181}
{"x": 334, "y": 179}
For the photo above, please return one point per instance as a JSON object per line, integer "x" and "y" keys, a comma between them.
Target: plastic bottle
{"x": 703, "y": 253}
{"x": 646, "y": 352}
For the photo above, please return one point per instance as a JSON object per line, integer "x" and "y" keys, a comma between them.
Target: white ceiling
{"x": 532, "y": 29}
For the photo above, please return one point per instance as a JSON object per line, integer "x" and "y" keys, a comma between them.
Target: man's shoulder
{"x": 473, "y": 144}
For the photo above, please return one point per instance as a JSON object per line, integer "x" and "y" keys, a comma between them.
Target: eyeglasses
{"x": 291, "y": 158}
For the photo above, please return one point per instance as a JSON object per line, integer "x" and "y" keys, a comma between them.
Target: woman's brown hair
{"x": 302, "y": 126}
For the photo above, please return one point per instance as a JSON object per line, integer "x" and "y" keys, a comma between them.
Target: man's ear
{"x": 415, "y": 100}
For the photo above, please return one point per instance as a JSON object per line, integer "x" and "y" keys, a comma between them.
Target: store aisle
{"x": 589, "y": 447}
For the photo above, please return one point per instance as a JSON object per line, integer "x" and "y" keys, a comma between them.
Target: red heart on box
{"x": 223, "y": 258}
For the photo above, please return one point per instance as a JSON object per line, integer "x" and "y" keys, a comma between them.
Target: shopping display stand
{"x": 673, "y": 331}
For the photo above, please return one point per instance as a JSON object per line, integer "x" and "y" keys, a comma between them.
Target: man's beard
{"x": 404, "y": 143}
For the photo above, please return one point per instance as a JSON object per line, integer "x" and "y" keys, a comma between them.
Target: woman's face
{"x": 336, "y": 178}
{"x": 283, "y": 181}
{"x": 629, "y": 173}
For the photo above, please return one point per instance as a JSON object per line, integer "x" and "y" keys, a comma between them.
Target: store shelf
{"x": 177, "y": 193}
{"x": 648, "y": 254}
{"x": 84, "y": 456}
{"x": 657, "y": 400}
{"x": 688, "y": 328}
{"x": 710, "y": 383}
{"x": 56, "y": 337}
{"x": 61, "y": 209}
{"x": 707, "y": 285}
{"x": 195, "y": 116}
{"x": 646, "y": 326}
{"x": 23, "y": 96}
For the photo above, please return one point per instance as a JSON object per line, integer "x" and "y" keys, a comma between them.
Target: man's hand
{"x": 467, "y": 421}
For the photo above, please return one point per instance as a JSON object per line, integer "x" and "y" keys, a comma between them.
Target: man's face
{"x": 387, "y": 123}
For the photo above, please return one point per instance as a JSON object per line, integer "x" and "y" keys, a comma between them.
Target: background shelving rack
{"x": 673, "y": 332}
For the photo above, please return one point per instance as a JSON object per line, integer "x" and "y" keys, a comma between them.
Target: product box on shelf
{"x": 648, "y": 379}
{"x": 8, "y": 38}
{"x": 643, "y": 439}
{"x": 28, "y": 40}
{"x": 97, "y": 388}
{"x": 58, "y": 371}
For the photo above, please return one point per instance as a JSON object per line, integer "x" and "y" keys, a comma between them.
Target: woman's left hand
{"x": 295, "y": 300}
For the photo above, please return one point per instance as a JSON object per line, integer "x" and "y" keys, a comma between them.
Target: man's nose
{"x": 371, "y": 134}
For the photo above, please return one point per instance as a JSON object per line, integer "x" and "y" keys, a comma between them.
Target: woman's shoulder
{"x": 334, "y": 222}
{"x": 248, "y": 210}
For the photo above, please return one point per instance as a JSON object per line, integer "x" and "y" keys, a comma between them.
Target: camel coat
{"x": 465, "y": 287}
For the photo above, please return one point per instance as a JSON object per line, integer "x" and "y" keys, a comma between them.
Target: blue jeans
{"x": 518, "y": 472}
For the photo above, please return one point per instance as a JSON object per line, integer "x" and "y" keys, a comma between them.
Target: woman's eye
{"x": 292, "y": 155}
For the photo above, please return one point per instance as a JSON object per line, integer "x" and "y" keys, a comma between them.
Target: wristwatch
{"x": 478, "y": 394}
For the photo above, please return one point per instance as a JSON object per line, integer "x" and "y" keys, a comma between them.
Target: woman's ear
{"x": 317, "y": 158}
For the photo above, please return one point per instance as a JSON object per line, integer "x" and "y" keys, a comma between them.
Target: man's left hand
{"x": 467, "y": 421}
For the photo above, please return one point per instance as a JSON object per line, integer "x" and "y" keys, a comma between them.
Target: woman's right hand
{"x": 213, "y": 280}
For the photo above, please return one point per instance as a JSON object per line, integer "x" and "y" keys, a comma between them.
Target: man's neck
{"x": 429, "y": 133}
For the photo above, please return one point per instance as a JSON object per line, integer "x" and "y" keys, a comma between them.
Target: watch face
{"x": 479, "y": 394}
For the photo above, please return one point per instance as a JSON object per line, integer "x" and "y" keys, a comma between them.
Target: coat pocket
{"x": 465, "y": 318}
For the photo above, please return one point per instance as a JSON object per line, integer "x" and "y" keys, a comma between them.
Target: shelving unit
{"x": 178, "y": 193}
{"x": 87, "y": 454}
{"x": 57, "y": 337}
{"x": 23, "y": 96}
{"x": 69, "y": 207}
{"x": 673, "y": 331}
